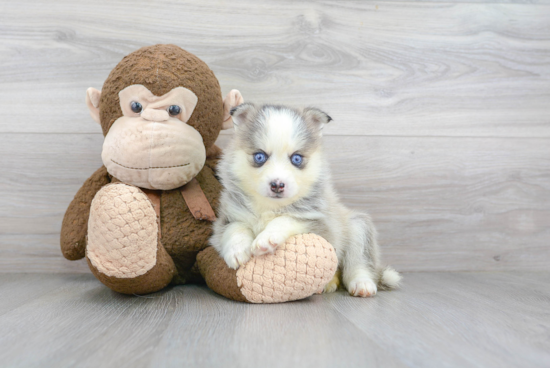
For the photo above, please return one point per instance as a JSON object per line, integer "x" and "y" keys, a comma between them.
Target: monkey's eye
{"x": 174, "y": 110}
{"x": 136, "y": 107}
{"x": 260, "y": 158}
{"x": 296, "y": 159}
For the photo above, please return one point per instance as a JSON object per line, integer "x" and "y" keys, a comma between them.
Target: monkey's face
{"x": 151, "y": 146}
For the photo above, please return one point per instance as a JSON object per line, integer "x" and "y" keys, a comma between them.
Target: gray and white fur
{"x": 277, "y": 184}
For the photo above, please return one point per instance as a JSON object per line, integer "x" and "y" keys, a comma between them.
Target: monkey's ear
{"x": 316, "y": 118}
{"x": 92, "y": 101}
{"x": 242, "y": 114}
{"x": 233, "y": 99}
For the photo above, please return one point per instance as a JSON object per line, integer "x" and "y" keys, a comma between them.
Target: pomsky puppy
{"x": 277, "y": 184}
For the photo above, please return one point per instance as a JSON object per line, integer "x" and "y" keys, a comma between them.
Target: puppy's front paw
{"x": 267, "y": 242}
{"x": 236, "y": 259}
{"x": 363, "y": 287}
{"x": 237, "y": 252}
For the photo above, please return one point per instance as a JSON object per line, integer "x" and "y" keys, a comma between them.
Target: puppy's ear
{"x": 316, "y": 118}
{"x": 242, "y": 114}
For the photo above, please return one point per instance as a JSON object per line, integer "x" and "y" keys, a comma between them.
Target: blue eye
{"x": 260, "y": 158}
{"x": 296, "y": 159}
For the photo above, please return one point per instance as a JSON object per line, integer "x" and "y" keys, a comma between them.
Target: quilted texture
{"x": 122, "y": 232}
{"x": 299, "y": 268}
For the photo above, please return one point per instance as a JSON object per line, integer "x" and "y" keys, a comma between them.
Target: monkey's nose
{"x": 155, "y": 115}
{"x": 277, "y": 187}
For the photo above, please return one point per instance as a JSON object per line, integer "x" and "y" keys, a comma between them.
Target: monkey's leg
{"x": 124, "y": 248}
{"x": 299, "y": 268}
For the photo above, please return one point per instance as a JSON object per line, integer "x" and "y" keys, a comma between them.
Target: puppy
{"x": 277, "y": 184}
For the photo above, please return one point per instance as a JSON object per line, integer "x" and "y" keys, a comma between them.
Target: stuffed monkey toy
{"x": 144, "y": 218}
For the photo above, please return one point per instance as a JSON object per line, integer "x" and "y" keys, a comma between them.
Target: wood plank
{"x": 87, "y": 323}
{"x": 299, "y": 334}
{"x": 77, "y": 324}
{"x": 479, "y": 1}
{"x": 19, "y": 288}
{"x": 36, "y": 253}
{"x": 450, "y": 319}
{"x": 391, "y": 68}
{"x": 488, "y": 319}
{"x": 439, "y": 203}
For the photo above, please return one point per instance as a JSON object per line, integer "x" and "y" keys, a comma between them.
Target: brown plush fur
{"x": 184, "y": 236}
{"x": 160, "y": 68}
{"x": 219, "y": 277}
{"x": 155, "y": 279}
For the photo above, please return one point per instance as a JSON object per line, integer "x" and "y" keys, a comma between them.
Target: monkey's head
{"x": 160, "y": 110}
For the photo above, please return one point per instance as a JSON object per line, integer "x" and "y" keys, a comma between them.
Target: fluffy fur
{"x": 264, "y": 203}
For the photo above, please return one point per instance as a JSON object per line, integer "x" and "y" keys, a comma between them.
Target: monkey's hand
{"x": 75, "y": 222}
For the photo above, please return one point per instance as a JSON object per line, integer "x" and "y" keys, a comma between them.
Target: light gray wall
{"x": 441, "y": 112}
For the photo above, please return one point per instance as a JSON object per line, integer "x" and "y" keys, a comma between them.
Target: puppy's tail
{"x": 388, "y": 278}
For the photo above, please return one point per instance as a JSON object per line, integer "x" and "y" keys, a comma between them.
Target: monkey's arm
{"x": 75, "y": 223}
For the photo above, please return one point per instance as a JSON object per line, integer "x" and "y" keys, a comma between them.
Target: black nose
{"x": 277, "y": 187}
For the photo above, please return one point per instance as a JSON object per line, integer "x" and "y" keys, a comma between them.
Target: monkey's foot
{"x": 124, "y": 250}
{"x": 299, "y": 268}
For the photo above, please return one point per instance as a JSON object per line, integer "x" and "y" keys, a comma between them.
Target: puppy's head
{"x": 277, "y": 150}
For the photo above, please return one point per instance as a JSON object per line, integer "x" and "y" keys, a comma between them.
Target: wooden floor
{"x": 490, "y": 319}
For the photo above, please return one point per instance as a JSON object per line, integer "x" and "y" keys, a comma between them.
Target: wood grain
{"x": 86, "y": 322}
{"x": 441, "y": 122}
{"x": 18, "y": 289}
{"x": 458, "y": 320}
{"x": 490, "y": 319}
{"x": 439, "y": 204}
{"x": 389, "y": 68}
{"x": 252, "y": 339}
